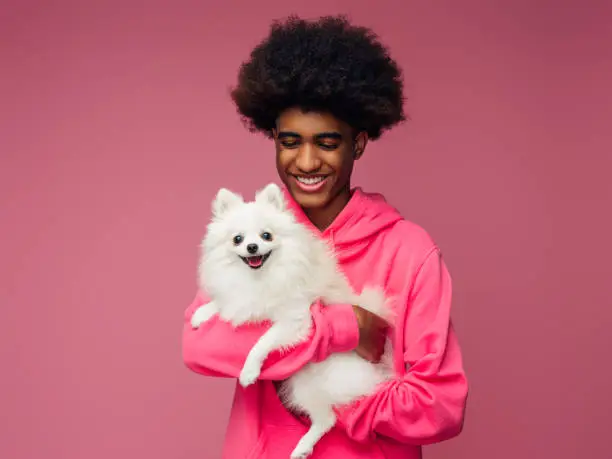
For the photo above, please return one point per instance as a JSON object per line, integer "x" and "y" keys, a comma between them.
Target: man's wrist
{"x": 343, "y": 327}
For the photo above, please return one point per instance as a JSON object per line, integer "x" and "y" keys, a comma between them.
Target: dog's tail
{"x": 375, "y": 300}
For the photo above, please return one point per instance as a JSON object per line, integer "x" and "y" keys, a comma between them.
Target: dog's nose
{"x": 252, "y": 248}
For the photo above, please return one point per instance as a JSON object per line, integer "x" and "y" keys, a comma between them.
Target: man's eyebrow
{"x": 329, "y": 135}
{"x": 321, "y": 135}
{"x": 285, "y": 134}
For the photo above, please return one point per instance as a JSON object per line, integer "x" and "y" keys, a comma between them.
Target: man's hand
{"x": 372, "y": 335}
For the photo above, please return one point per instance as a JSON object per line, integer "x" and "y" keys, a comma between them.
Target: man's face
{"x": 315, "y": 153}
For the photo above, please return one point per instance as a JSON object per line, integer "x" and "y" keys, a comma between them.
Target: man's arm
{"x": 425, "y": 402}
{"x": 219, "y": 349}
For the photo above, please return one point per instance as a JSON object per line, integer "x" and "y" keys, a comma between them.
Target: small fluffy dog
{"x": 258, "y": 263}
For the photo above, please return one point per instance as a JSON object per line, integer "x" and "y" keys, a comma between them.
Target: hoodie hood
{"x": 364, "y": 217}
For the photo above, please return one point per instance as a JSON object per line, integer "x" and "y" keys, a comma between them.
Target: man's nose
{"x": 307, "y": 159}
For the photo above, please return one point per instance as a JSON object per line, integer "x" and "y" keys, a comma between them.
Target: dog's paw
{"x": 249, "y": 375}
{"x": 302, "y": 450}
{"x": 201, "y": 315}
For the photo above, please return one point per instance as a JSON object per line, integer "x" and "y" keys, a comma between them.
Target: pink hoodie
{"x": 425, "y": 403}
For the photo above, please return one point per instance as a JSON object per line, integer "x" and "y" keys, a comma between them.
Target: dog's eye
{"x": 238, "y": 239}
{"x": 266, "y": 236}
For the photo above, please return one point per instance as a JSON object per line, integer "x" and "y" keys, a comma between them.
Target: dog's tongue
{"x": 255, "y": 262}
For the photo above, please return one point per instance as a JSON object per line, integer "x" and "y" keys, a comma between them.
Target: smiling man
{"x": 322, "y": 90}
{"x": 315, "y": 153}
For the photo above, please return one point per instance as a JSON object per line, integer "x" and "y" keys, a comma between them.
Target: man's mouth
{"x": 256, "y": 261}
{"x": 310, "y": 183}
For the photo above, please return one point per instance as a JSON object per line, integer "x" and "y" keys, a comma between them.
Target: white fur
{"x": 301, "y": 268}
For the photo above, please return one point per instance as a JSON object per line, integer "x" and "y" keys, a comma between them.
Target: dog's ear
{"x": 271, "y": 194}
{"x": 224, "y": 201}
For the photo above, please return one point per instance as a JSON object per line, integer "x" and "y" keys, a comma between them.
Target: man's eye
{"x": 289, "y": 143}
{"x": 328, "y": 146}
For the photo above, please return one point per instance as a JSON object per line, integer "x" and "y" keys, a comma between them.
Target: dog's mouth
{"x": 256, "y": 261}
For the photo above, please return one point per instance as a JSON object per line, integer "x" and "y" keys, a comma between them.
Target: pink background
{"x": 116, "y": 129}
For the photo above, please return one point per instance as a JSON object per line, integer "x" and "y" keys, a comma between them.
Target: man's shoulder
{"x": 409, "y": 239}
{"x": 400, "y": 233}
{"x": 406, "y": 232}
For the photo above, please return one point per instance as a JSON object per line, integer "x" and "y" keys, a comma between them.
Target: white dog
{"x": 258, "y": 263}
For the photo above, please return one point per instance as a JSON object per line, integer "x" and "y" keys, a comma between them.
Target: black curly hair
{"x": 324, "y": 65}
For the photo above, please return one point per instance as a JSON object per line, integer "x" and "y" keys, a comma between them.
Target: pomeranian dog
{"x": 259, "y": 264}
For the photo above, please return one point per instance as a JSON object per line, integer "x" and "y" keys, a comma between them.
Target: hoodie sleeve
{"x": 425, "y": 402}
{"x": 219, "y": 349}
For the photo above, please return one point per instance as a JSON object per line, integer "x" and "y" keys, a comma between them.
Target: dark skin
{"x": 317, "y": 144}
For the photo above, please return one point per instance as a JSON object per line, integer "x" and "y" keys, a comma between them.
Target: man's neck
{"x": 323, "y": 217}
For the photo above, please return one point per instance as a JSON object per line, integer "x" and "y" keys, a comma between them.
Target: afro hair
{"x": 327, "y": 65}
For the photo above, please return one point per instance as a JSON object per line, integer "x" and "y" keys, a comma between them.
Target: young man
{"x": 322, "y": 89}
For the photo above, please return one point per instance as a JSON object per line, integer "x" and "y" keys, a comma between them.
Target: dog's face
{"x": 250, "y": 232}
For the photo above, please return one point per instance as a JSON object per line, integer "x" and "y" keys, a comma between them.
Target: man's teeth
{"x": 310, "y": 180}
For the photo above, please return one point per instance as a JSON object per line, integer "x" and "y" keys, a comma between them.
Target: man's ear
{"x": 274, "y": 132}
{"x": 359, "y": 144}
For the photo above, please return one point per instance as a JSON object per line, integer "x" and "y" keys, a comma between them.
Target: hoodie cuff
{"x": 343, "y": 328}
